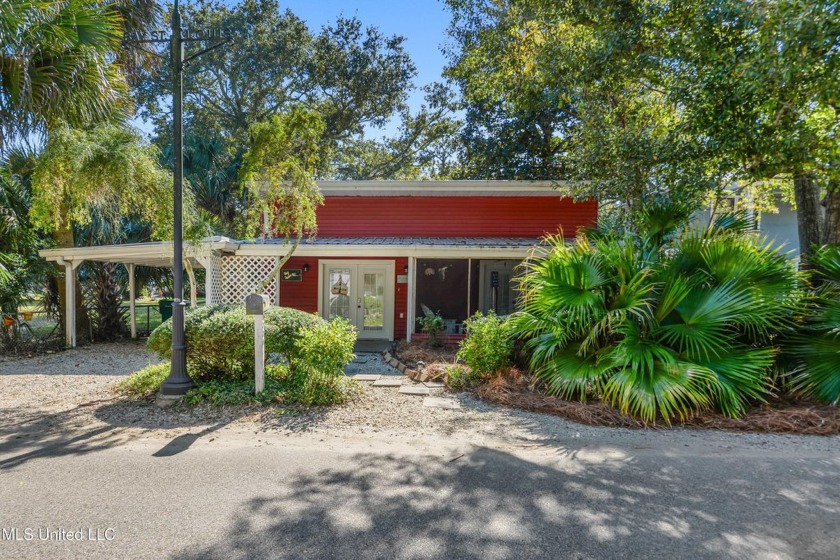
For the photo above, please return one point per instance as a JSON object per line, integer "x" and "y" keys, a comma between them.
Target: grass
{"x": 145, "y": 382}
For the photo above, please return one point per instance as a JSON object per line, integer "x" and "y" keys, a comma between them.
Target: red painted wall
{"x": 453, "y": 216}
{"x": 303, "y": 295}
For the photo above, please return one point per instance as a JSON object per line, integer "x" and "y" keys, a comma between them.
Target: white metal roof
{"x": 160, "y": 253}
{"x": 443, "y": 188}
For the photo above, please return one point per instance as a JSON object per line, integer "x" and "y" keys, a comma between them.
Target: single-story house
{"x": 384, "y": 250}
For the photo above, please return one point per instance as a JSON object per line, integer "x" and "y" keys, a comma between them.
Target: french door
{"x": 361, "y": 292}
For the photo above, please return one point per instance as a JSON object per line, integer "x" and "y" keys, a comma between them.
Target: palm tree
{"x": 816, "y": 348}
{"x": 64, "y": 61}
{"x": 659, "y": 328}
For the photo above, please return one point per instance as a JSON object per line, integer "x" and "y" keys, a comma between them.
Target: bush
{"x": 280, "y": 387}
{"x": 460, "y": 378}
{"x": 658, "y": 327}
{"x": 816, "y": 348}
{"x": 324, "y": 348}
{"x": 488, "y": 347}
{"x": 145, "y": 382}
{"x": 220, "y": 340}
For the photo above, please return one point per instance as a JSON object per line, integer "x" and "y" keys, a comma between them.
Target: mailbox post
{"x": 255, "y": 305}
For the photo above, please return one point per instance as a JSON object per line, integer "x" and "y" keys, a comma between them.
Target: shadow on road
{"x": 492, "y": 504}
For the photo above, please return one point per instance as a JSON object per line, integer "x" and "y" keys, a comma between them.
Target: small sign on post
{"x": 255, "y": 305}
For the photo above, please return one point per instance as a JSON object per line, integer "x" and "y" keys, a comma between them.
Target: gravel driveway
{"x": 74, "y": 389}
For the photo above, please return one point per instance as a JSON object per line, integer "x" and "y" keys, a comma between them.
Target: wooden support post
{"x": 409, "y": 328}
{"x": 69, "y": 303}
{"x": 131, "y": 300}
{"x": 259, "y": 353}
{"x": 469, "y": 285}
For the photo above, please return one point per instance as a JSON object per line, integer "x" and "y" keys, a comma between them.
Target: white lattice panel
{"x": 214, "y": 279}
{"x": 242, "y": 275}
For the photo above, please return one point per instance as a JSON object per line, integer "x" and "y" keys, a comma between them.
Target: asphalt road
{"x": 610, "y": 494}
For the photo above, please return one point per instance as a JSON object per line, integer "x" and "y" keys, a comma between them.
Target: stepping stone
{"x": 414, "y": 390}
{"x": 366, "y": 377}
{"x": 434, "y": 384}
{"x": 390, "y": 381}
{"x": 441, "y": 402}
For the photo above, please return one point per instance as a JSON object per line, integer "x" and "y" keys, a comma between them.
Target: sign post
{"x": 255, "y": 305}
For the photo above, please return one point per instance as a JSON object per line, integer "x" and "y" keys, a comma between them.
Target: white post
{"x": 409, "y": 328}
{"x": 70, "y": 305}
{"x": 255, "y": 305}
{"x": 259, "y": 353}
{"x": 469, "y": 285}
{"x": 131, "y": 300}
{"x": 209, "y": 296}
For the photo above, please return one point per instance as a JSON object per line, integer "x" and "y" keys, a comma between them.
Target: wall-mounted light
{"x": 405, "y": 269}
{"x": 306, "y": 267}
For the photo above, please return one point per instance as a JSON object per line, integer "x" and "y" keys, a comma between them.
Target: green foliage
{"x": 575, "y": 90}
{"x": 460, "y": 378}
{"x": 58, "y": 65}
{"x": 280, "y": 388}
{"x": 278, "y": 171}
{"x": 816, "y": 347}
{"x": 145, "y": 382}
{"x": 658, "y": 331}
{"x": 106, "y": 170}
{"x": 220, "y": 342}
{"x": 352, "y": 76}
{"x": 432, "y": 324}
{"x": 488, "y": 347}
{"x": 324, "y": 348}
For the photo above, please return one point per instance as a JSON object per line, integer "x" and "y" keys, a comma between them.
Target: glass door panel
{"x": 339, "y": 294}
{"x": 361, "y": 293}
{"x": 372, "y": 300}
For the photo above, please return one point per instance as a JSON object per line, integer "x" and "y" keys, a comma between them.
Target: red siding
{"x": 303, "y": 295}
{"x": 453, "y": 216}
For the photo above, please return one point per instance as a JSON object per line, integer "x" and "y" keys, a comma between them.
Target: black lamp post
{"x": 178, "y": 382}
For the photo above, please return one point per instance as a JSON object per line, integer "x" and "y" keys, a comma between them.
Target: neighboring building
{"x": 384, "y": 249}
{"x": 780, "y": 228}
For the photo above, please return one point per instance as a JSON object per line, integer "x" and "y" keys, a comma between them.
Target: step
{"x": 418, "y": 390}
{"x": 390, "y": 381}
{"x": 365, "y": 376}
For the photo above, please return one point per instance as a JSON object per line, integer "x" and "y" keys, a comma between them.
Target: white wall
{"x": 781, "y": 228}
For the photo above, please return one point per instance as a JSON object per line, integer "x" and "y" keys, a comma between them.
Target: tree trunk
{"x": 831, "y": 231}
{"x": 808, "y": 215}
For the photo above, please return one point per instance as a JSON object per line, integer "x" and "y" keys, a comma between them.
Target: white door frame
{"x": 387, "y": 264}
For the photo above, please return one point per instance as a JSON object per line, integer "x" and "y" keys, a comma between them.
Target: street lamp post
{"x": 178, "y": 382}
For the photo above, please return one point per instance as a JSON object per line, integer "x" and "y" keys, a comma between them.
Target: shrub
{"x": 324, "y": 348}
{"x": 816, "y": 348}
{"x": 145, "y": 382}
{"x": 488, "y": 347}
{"x": 220, "y": 339}
{"x": 280, "y": 387}
{"x": 658, "y": 327}
{"x": 460, "y": 378}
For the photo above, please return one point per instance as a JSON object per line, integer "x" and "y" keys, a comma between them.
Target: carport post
{"x": 131, "y": 301}
{"x": 69, "y": 302}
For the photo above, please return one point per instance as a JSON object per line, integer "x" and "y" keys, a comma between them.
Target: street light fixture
{"x": 178, "y": 382}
